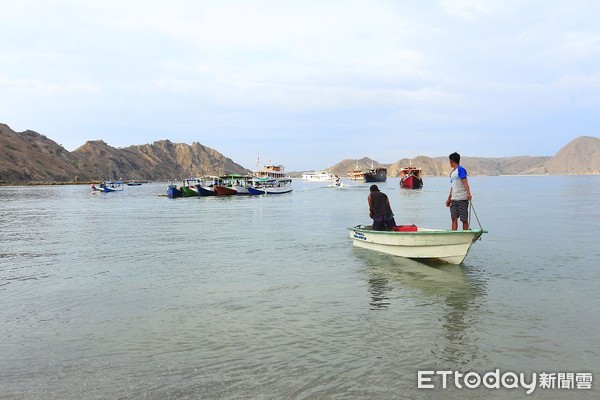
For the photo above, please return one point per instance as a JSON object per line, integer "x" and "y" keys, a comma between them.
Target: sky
{"x": 305, "y": 83}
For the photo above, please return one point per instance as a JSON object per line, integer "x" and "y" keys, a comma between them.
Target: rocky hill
{"x": 29, "y": 157}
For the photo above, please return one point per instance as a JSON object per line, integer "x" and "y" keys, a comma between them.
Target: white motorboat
{"x": 436, "y": 244}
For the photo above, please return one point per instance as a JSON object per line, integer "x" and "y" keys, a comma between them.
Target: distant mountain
{"x": 27, "y": 157}
{"x": 341, "y": 169}
{"x": 430, "y": 166}
{"x": 581, "y": 156}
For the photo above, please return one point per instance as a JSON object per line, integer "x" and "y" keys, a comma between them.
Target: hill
{"x": 581, "y": 156}
{"x": 29, "y": 157}
{"x": 341, "y": 169}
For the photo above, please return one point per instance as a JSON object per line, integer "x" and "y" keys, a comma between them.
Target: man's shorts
{"x": 459, "y": 208}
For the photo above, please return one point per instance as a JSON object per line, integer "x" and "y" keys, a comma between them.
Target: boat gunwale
{"x": 426, "y": 231}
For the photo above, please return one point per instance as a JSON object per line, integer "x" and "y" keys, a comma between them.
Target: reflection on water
{"x": 454, "y": 291}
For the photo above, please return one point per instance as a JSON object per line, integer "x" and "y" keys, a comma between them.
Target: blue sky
{"x": 305, "y": 83}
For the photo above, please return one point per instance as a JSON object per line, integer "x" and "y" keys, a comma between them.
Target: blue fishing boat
{"x": 173, "y": 191}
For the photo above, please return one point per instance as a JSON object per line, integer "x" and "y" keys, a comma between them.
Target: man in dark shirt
{"x": 380, "y": 210}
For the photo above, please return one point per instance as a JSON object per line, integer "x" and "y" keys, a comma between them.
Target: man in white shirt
{"x": 460, "y": 193}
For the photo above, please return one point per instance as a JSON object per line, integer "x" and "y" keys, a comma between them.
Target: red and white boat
{"x": 411, "y": 177}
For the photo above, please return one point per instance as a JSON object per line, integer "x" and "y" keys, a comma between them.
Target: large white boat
{"x": 271, "y": 171}
{"x": 318, "y": 176}
{"x": 436, "y": 244}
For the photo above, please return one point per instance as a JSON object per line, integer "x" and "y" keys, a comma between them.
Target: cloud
{"x": 469, "y": 9}
{"x": 260, "y": 69}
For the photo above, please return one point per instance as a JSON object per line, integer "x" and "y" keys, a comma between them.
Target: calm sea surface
{"x": 132, "y": 295}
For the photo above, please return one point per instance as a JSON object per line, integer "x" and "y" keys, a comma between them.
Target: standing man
{"x": 460, "y": 193}
{"x": 380, "y": 210}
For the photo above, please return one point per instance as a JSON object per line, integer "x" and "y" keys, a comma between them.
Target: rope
{"x": 471, "y": 207}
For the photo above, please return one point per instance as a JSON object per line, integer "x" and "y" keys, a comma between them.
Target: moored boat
{"x": 232, "y": 184}
{"x": 134, "y": 183}
{"x": 435, "y": 244}
{"x": 207, "y": 186}
{"x": 270, "y": 186}
{"x": 225, "y": 191}
{"x": 411, "y": 177}
{"x": 279, "y": 186}
{"x": 173, "y": 191}
{"x": 189, "y": 187}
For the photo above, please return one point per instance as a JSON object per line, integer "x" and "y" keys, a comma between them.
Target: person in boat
{"x": 380, "y": 210}
{"x": 460, "y": 193}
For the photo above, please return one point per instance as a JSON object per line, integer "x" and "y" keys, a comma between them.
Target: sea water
{"x": 133, "y": 295}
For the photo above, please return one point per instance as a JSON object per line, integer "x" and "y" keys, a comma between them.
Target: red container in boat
{"x": 405, "y": 228}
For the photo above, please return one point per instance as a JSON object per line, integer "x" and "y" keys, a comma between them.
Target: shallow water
{"x": 133, "y": 295}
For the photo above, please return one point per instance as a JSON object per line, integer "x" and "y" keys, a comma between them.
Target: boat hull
{"x": 278, "y": 190}
{"x": 255, "y": 191}
{"x": 225, "y": 191}
{"x": 411, "y": 182}
{"x": 426, "y": 244}
{"x": 205, "y": 192}
{"x": 188, "y": 192}
{"x": 173, "y": 192}
{"x": 241, "y": 189}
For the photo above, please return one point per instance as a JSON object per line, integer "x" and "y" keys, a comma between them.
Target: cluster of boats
{"x": 112, "y": 186}
{"x": 271, "y": 180}
{"x": 372, "y": 174}
{"x": 410, "y": 177}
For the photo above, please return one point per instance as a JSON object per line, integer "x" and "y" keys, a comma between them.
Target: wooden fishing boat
{"x": 270, "y": 186}
{"x": 357, "y": 174}
{"x": 419, "y": 243}
{"x": 411, "y": 177}
{"x": 376, "y": 175}
{"x": 279, "y": 186}
{"x": 225, "y": 191}
{"x": 232, "y": 184}
{"x": 189, "y": 187}
{"x": 206, "y": 185}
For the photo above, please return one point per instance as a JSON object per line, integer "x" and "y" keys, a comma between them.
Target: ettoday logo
{"x": 507, "y": 380}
